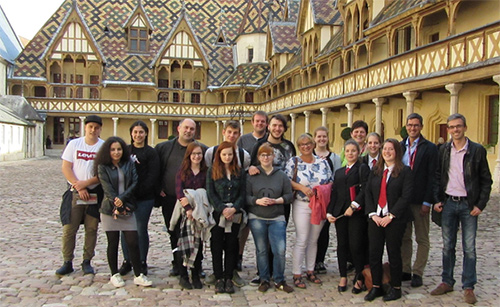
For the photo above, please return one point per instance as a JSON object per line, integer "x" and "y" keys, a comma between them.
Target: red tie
{"x": 382, "y": 199}
{"x": 347, "y": 170}
{"x": 374, "y": 161}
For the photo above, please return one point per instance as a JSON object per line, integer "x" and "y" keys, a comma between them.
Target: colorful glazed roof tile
{"x": 397, "y": 7}
{"x": 105, "y": 20}
{"x": 325, "y": 13}
{"x": 250, "y": 74}
{"x": 293, "y": 10}
{"x": 257, "y": 14}
{"x": 283, "y": 37}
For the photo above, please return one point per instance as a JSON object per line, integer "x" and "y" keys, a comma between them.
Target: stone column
{"x": 324, "y": 113}
{"x": 496, "y": 173}
{"x": 82, "y": 126}
{"x": 242, "y": 123}
{"x": 378, "y": 113}
{"x": 217, "y": 123}
{"x": 350, "y": 108}
{"x": 410, "y": 101}
{"x": 152, "y": 135}
{"x": 307, "y": 114}
{"x": 115, "y": 124}
{"x": 293, "y": 116}
{"x": 454, "y": 89}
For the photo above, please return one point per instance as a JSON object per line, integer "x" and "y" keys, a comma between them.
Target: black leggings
{"x": 132, "y": 239}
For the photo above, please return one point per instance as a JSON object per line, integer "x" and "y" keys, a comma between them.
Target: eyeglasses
{"x": 196, "y": 154}
{"x": 412, "y": 126}
{"x": 306, "y": 144}
{"x": 456, "y": 126}
{"x": 264, "y": 156}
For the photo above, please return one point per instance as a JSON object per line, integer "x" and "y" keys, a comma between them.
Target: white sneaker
{"x": 117, "y": 280}
{"x": 142, "y": 280}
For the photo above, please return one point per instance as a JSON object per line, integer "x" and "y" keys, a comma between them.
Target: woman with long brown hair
{"x": 226, "y": 193}
{"x": 191, "y": 175}
{"x": 388, "y": 193}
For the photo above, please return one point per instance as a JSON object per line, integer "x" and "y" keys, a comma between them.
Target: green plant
{"x": 403, "y": 133}
{"x": 346, "y": 133}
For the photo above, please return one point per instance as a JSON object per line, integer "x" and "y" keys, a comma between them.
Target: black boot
{"x": 65, "y": 269}
{"x": 184, "y": 283}
{"x": 87, "y": 268}
{"x": 195, "y": 278}
{"x": 373, "y": 294}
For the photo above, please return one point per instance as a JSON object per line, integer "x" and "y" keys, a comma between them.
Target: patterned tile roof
{"x": 337, "y": 41}
{"x": 293, "y": 10}
{"x": 397, "y": 7}
{"x": 325, "y": 12}
{"x": 283, "y": 37}
{"x": 206, "y": 16}
{"x": 249, "y": 74}
{"x": 257, "y": 14}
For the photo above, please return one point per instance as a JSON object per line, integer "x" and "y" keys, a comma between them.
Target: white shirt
{"x": 383, "y": 211}
{"x": 82, "y": 156}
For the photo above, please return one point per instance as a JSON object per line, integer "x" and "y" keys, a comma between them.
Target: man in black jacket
{"x": 464, "y": 180}
{"x": 421, "y": 156}
{"x": 171, "y": 154}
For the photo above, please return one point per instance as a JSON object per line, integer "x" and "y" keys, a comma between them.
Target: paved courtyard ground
{"x": 30, "y": 194}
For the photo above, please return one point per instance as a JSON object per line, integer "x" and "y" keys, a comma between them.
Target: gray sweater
{"x": 274, "y": 185}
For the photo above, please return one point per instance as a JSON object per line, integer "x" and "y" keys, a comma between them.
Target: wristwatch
{"x": 391, "y": 216}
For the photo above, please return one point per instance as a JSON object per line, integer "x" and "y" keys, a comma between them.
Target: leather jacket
{"x": 477, "y": 176}
{"x": 108, "y": 176}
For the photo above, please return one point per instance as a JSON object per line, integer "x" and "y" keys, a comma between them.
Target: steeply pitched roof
{"x": 397, "y": 7}
{"x": 295, "y": 62}
{"x": 258, "y": 13}
{"x": 324, "y": 12}
{"x": 249, "y": 74}
{"x": 283, "y": 37}
{"x": 124, "y": 67}
{"x": 10, "y": 46}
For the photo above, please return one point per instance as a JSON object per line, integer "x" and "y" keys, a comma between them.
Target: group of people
{"x": 375, "y": 193}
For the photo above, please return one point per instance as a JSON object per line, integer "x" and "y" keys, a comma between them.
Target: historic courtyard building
{"x": 319, "y": 62}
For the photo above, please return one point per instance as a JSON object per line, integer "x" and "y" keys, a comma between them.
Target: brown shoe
{"x": 442, "y": 289}
{"x": 469, "y": 296}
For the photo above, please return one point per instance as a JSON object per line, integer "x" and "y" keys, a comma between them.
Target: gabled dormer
{"x": 138, "y": 27}
{"x": 73, "y": 37}
{"x": 73, "y": 59}
{"x": 181, "y": 64}
{"x": 317, "y": 22}
{"x": 221, "y": 39}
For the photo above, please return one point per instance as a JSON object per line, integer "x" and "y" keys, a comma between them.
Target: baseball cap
{"x": 93, "y": 119}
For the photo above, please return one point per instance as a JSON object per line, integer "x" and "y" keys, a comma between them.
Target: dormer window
{"x": 138, "y": 35}
{"x": 250, "y": 55}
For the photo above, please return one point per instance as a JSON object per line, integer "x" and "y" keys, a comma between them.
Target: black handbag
{"x": 436, "y": 217}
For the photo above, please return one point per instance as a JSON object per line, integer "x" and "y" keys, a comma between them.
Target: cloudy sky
{"x": 28, "y": 16}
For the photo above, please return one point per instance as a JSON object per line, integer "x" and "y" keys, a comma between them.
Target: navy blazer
{"x": 341, "y": 197}
{"x": 424, "y": 171}
{"x": 399, "y": 192}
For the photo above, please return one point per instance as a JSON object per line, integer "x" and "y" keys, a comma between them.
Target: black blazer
{"x": 399, "y": 191}
{"x": 341, "y": 197}
{"x": 424, "y": 171}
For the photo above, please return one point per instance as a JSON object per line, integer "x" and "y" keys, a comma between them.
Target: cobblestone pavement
{"x": 30, "y": 194}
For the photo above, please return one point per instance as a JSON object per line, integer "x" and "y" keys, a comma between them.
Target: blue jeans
{"x": 271, "y": 232}
{"x": 454, "y": 213}
{"x": 142, "y": 215}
